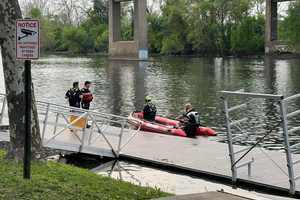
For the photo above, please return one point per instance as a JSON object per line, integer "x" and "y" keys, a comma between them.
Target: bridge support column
{"x": 271, "y": 26}
{"x": 136, "y": 49}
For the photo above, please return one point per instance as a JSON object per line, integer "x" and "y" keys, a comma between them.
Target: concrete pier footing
{"x": 271, "y": 26}
{"x": 136, "y": 49}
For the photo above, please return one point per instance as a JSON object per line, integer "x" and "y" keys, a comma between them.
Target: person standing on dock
{"x": 86, "y": 96}
{"x": 190, "y": 121}
{"x": 149, "y": 109}
{"x": 73, "y": 95}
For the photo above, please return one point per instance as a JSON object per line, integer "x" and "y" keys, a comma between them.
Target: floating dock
{"x": 200, "y": 155}
{"x": 110, "y": 136}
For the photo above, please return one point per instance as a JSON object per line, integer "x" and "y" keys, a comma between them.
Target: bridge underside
{"x": 136, "y": 49}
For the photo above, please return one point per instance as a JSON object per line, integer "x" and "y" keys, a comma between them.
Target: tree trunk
{"x": 14, "y": 82}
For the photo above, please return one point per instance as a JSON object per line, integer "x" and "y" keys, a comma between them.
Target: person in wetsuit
{"x": 149, "y": 110}
{"x": 73, "y": 95}
{"x": 190, "y": 121}
{"x": 86, "y": 95}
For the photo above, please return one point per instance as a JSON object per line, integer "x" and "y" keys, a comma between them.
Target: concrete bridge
{"x": 137, "y": 49}
{"x": 272, "y": 44}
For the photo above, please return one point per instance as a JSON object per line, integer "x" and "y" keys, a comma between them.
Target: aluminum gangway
{"x": 77, "y": 130}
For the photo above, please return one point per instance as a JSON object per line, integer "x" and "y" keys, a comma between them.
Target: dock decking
{"x": 200, "y": 155}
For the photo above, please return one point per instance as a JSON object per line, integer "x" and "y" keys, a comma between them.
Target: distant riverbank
{"x": 153, "y": 55}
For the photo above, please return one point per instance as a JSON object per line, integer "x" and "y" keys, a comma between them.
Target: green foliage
{"x": 100, "y": 11}
{"x": 291, "y": 24}
{"x": 203, "y": 28}
{"x": 54, "y": 181}
{"x": 77, "y": 40}
{"x": 182, "y": 27}
{"x": 90, "y": 36}
{"x": 175, "y": 27}
{"x": 35, "y": 13}
{"x": 207, "y": 27}
{"x": 126, "y": 29}
{"x": 248, "y": 36}
{"x": 155, "y": 33}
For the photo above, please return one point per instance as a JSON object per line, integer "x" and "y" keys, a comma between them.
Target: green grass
{"x": 54, "y": 181}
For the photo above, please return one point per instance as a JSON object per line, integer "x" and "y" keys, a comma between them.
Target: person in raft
{"x": 190, "y": 121}
{"x": 73, "y": 95}
{"x": 149, "y": 109}
{"x": 86, "y": 95}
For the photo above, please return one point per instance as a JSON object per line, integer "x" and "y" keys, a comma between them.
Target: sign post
{"x": 27, "y": 48}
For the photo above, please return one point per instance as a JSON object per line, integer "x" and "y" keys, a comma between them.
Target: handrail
{"x": 253, "y": 95}
{"x": 291, "y": 97}
{"x": 282, "y": 103}
{"x": 81, "y": 110}
{"x": 53, "y": 105}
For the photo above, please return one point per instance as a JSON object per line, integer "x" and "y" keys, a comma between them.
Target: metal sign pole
{"x": 27, "y": 48}
{"x": 27, "y": 144}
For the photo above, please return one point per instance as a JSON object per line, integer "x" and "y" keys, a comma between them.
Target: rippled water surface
{"x": 120, "y": 87}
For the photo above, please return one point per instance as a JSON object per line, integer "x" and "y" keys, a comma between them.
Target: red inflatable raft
{"x": 164, "y": 126}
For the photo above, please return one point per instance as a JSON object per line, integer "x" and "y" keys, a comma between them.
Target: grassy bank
{"x": 56, "y": 181}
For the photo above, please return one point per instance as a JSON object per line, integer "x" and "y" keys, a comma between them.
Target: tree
{"x": 291, "y": 25}
{"x": 248, "y": 36}
{"x": 14, "y": 81}
{"x": 175, "y": 27}
{"x": 100, "y": 10}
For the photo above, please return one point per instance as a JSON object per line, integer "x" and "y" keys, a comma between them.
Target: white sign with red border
{"x": 27, "y": 39}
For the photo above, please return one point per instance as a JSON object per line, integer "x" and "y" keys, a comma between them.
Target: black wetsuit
{"x": 86, "y": 99}
{"x": 73, "y": 95}
{"x": 192, "y": 124}
{"x": 149, "y": 111}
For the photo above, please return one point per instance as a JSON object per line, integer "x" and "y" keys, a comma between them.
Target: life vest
{"x": 87, "y": 97}
{"x": 152, "y": 108}
{"x": 193, "y": 117}
{"x": 149, "y": 111}
{"x": 73, "y": 94}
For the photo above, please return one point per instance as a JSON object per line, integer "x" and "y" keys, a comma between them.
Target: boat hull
{"x": 164, "y": 126}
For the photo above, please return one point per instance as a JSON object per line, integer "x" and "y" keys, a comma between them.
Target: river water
{"x": 120, "y": 87}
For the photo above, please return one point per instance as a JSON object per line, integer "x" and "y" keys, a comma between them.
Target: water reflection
{"x": 119, "y": 87}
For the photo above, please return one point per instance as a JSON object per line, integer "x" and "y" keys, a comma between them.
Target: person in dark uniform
{"x": 86, "y": 96}
{"x": 73, "y": 95}
{"x": 190, "y": 121}
{"x": 149, "y": 110}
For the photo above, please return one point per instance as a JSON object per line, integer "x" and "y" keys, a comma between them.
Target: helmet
{"x": 147, "y": 98}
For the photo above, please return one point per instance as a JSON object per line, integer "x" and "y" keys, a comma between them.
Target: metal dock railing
{"x": 282, "y": 103}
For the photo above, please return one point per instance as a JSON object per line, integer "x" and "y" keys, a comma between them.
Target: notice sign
{"x": 27, "y": 39}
